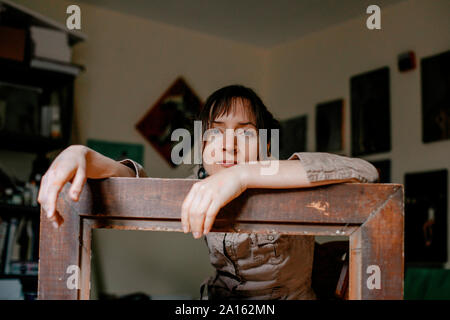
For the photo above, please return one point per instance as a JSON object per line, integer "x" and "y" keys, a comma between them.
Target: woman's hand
{"x": 208, "y": 196}
{"x": 75, "y": 164}
{"x": 68, "y": 166}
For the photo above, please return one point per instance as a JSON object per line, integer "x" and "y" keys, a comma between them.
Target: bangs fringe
{"x": 228, "y": 105}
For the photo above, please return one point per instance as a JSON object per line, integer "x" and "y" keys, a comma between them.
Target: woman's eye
{"x": 212, "y": 133}
{"x": 215, "y": 131}
{"x": 249, "y": 133}
{"x": 246, "y": 133}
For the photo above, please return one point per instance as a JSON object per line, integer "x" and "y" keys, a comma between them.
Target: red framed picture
{"x": 176, "y": 108}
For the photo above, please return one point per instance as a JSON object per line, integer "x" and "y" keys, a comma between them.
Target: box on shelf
{"x": 50, "y": 44}
{"x": 12, "y": 43}
{"x": 11, "y": 289}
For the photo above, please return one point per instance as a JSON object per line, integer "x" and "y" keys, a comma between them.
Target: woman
{"x": 248, "y": 265}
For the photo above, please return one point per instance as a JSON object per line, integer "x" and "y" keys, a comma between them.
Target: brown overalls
{"x": 271, "y": 266}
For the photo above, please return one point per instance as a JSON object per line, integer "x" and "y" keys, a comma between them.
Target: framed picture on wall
{"x": 292, "y": 136}
{"x": 175, "y": 109}
{"x": 330, "y": 126}
{"x": 435, "y": 79}
{"x": 370, "y": 112}
{"x": 426, "y": 217}
{"x": 118, "y": 150}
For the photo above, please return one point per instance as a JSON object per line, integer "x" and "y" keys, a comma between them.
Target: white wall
{"x": 130, "y": 62}
{"x": 318, "y": 68}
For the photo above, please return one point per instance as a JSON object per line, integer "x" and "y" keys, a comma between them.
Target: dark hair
{"x": 221, "y": 103}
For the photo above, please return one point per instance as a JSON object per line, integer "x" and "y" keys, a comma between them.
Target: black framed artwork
{"x": 435, "y": 80}
{"x": 292, "y": 136}
{"x": 384, "y": 170}
{"x": 426, "y": 217}
{"x": 330, "y": 126}
{"x": 370, "y": 112}
{"x": 118, "y": 150}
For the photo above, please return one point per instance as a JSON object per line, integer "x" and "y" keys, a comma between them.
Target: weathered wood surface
{"x": 372, "y": 215}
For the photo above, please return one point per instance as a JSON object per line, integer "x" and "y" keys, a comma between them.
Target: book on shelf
{"x": 50, "y": 116}
{"x": 20, "y": 246}
{"x": 27, "y": 268}
{"x": 3, "y": 239}
{"x": 16, "y": 246}
{"x": 13, "y": 223}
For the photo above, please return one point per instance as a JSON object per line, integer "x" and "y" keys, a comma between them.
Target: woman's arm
{"x": 311, "y": 169}
{"x": 99, "y": 166}
{"x": 207, "y": 196}
{"x": 75, "y": 164}
{"x": 138, "y": 170}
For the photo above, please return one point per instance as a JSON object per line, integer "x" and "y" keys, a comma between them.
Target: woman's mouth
{"x": 226, "y": 164}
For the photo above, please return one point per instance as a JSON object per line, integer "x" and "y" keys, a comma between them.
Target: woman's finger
{"x": 78, "y": 183}
{"x": 40, "y": 197}
{"x": 55, "y": 181}
{"x": 198, "y": 212}
{"x": 43, "y": 195}
{"x": 210, "y": 217}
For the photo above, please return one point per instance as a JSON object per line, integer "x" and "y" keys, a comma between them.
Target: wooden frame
{"x": 372, "y": 215}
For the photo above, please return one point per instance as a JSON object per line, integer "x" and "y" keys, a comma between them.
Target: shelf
{"x": 43, "y": 66}
{"x": 11, "y": 209}
{"x": 56, "y": 66}
{"x": 18, "y": 276}
{"x": 29, "y": 143}
{"x": 15, "y": 71}
{"x": 27, "y": 17}
{"x": 21, "y": 75}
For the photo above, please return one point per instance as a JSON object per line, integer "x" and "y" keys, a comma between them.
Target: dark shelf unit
{"x": 49, "y": 78}
{"x": 21, "y": 74}
{"x": 29, "y": 143}
{"x": 11, "y": 209}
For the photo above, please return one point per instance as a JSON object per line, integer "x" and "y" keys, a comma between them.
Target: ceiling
{"x": 262, "y": 23}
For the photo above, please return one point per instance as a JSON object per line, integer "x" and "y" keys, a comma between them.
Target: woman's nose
{"x": 229, "y": 142}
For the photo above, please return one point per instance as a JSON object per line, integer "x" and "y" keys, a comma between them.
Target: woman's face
{"x": 231, "y": 139}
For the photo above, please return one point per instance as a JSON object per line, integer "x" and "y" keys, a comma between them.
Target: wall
{"x": 126, "y": 74}
{"x": 130, "y": 62}
{"x": 318, "y": 68}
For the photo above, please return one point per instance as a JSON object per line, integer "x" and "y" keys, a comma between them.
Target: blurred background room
{"x": 119, "y": 76}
